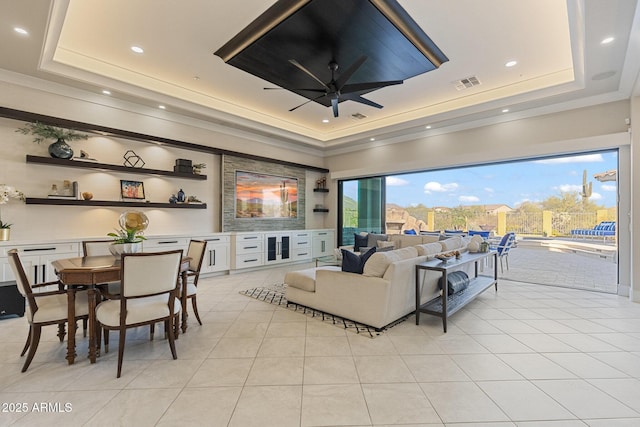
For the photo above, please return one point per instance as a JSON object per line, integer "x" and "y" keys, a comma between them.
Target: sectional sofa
{"x": 384, "y": 292}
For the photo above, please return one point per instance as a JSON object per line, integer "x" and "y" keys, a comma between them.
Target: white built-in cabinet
{"x": 278, "y": 247}
{"x": 300, "y": 245}
{"x": 225, "y": 251}
{"x": 247, "y": 250}
{"x": 36, "y": 260}
{"x": 255, "y": 249}
{"x": 216, "y": 256}
{"x": 323, "y": 243}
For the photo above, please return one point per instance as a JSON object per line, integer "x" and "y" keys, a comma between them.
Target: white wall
{"x": 40, "y": 222}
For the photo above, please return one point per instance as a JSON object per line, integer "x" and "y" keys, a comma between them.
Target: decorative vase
{"x": 118, "y": 249}
{"x": 60, "y": 150}
{"x": 181, "y": 196}
{"x": 4, "y": 234}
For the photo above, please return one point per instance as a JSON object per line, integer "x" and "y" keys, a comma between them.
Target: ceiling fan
{"x": 338, "y": 90}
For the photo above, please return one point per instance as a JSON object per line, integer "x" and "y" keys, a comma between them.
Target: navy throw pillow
{"x": 359, "y": 241}
{"x": 354, "y": 263}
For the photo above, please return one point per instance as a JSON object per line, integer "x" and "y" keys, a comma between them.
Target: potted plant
{"x": 7, "y": 193}
{"x": 128, "y": 238}
{"x": 59, "y": 149}
{"x": 197, "y": 168}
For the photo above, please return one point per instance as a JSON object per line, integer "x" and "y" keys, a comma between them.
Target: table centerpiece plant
{"x": 128, "y": 238}
{"x": 59, "y": 149}
{"x": 6, "y": 193}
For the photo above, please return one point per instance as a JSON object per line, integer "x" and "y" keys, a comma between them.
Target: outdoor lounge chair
{"x": 604, "y": 229}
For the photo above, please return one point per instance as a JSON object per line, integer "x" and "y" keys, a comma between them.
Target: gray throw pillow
{"x": 372, "y": 239}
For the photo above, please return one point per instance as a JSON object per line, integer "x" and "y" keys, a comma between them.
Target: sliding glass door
{"x": 361, "y": 205}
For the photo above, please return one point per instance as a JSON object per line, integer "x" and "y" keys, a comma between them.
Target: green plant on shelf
{"x": 44, "y": 132}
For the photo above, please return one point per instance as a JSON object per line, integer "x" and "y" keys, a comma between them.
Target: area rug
{"x": 274, "y": 294}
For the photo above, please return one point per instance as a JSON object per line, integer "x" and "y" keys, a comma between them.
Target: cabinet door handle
{"x": 251, "y": 260}
{"x": 323, "y": 245}
{"x": 212, "y": 240}
{"x": 250, "y": 237}
{"x": 212, "y": 257}
{"x": 44, "y": 272}
{"x": 302, "y": 243}
{"x": 303, "y": 254}
{"x": 279, "y": 248}
{"x": 250, "y": 247}
{"x": 167, "y": 242}
{"x": 35, "y": 273}
{"x": 39, "y": 249}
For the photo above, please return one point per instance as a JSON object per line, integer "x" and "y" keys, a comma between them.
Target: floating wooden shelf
{"x": 321, "y": 210}
{"x": 105, "y": 166}
{"x": 320, "y": 190}
{"x": 96, "y": 203}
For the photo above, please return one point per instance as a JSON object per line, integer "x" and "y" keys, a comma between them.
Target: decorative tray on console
{"x": 447, "y": 256}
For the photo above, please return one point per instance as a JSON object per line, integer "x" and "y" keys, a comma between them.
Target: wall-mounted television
{"x": 266, "y": 196}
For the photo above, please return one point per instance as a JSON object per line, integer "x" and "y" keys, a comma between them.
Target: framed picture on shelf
{"x": 131, "y": 190}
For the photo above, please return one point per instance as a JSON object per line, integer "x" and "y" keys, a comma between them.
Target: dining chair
{"x": 101, "y": 248}
{"x": 148, "y": 294}
{"x": 195, "y": 252}
{"x": 44, "y": 306}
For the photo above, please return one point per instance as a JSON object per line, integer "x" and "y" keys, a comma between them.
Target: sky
{"x": 506, "y": 183}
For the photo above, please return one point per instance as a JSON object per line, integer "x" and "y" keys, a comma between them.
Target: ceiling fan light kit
{"x": 299, "y": 44}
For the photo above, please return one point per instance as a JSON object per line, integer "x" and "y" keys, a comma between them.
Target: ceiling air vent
{"x": 358, "y": 116}
{"x": 466, "y": 83}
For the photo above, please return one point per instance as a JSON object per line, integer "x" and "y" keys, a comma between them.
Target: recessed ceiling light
{"x": 372, "y": 139}
{"x": 607, "y": 40}
{"x": 505, "y": 110}
{"x": 137, "y": 49}
{"x": 428, "y": 127}
{"x": 21, "y": 31}
{"x": 162, "y": 107}
{"x": 106, "y": 92}
{"x": 325, "y": 120}
{"x": 511, "y": 64}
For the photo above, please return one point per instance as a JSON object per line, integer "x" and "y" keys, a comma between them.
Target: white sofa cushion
{"x": 429, "y": 249}
{"x": 305, "y": 279}
{"x": 451, "y": 243}
{"x": 378, "y": 263}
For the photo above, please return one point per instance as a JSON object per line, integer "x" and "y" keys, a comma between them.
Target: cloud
{"x": 565, "y": 188}
{"x": 587, "y": 158}
{"x": 595, "y": 196}
{"x": 489, "y": 190}
{"x": 394, "y": 181}
{"x": 468, "y": 199}
{"x": 608, "y": 187}
{"x": 433, "y": 186}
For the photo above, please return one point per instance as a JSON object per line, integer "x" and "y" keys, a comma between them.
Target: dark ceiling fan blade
{"x": 356, "y": 87}
{"x": 344, "y": 77}
{"x": 306, "y": 102}
{"x": 334, "y": 104}
{"x": 309, "y": 73}
{"x": 357, "y": 98}
{"x": 304, "y": 90}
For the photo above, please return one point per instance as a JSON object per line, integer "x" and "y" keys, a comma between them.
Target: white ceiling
{"x": 561, "y": 62}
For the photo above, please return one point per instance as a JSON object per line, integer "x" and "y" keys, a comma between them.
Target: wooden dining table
{"x": 89, "y": 272}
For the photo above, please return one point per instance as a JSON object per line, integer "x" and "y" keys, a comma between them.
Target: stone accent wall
{"x": 230, "y": 165}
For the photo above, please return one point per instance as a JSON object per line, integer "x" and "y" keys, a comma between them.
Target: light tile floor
{"x": 527, "y": 355}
